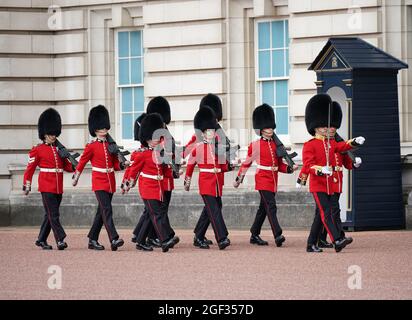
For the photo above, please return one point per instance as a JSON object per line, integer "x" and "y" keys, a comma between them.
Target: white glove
{"x": 358, "y": 162}
{"x": 360, "y": 140}
{"x": 298, "y": 185}
{"x": 187, "y": 184}
{"x": 26, "y": 188}
{"x": 236, "y": 183}
{"x": 75, "y": 178}
{"x": 125, "y": 186}
{"x": 326, "y": 170}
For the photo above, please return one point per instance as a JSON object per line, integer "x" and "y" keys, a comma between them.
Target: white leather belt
{"x": 103, "y": 170}
{"x": 151, "y": 176}
{"x": 51, "y": 170}
{"x": 213, "y": 170}
{"x": 268, "y": 168}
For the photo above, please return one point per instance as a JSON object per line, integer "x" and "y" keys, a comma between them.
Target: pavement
{"x": 377, "y": 265}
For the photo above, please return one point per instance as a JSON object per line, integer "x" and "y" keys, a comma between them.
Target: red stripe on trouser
{"x": 104, "y": 219}
{"x": 322, "y": 215}
{"x": 154, "y": 222}
{"x": 211, "y": 218}
{"x": 268, "y": 214}
{"x": 49, "y": 218}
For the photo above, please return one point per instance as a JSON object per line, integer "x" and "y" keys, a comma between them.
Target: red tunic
{"x": 101, "y": 159}
{"x": 210, "y": 183}
{"x": 263, "y": 151}
{"x": 145, "y": 162}
{"x": 168, "y": 183}
{"x": 314, "y": 155}
{"x": 192, "y": 144}
{"x": 342, "y": 161}
{"x": 46, "y": 157}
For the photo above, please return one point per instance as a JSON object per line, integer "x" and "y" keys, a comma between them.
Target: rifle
{"x": 229, "y": 149}
{"x": 174, "y": 155}
{"x": 65, "y": 154}
{"x": 282, "y": 151}
{"x": 350, "y": 154}
{"x": 115, "y": 149}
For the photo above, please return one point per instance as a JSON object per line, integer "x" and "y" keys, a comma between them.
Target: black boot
{"x": 279, "y": 240}
{"x": 144, "y": 247}
{"x": 134, "y": 239}
{"x": 207, "y": 241}
{"x": 116, "y": 244}
{"x": 324, "y": 244}
{"x": 313, "y": 248}
{"x": 43, "y": 244}
{"x": 168, "y": 244}
{"x": 349, "y": 239}
{"x": 340, "y": 244}
{"x": 94, "y": 245}
{"x": 256, "y": 239}
{"x": 154, "y": 242}
{"x": 223, "y": 243}
{"x": 61, "y": 245}
{"x": 200, "y": 243}
{"x": 175, "y": 240}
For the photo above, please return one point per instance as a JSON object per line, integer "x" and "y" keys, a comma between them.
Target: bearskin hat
{"x": 98, "y": 119}
{"x": 150, "y": 123}
{"x": 137, "y": 125}
{"x": 205, "y": 118}
{"x": 49, "y": 123}
{"x": 213, "y": 101}
{"x": 263, "y": 118}
{"x": 317, "y": 112}
{"x": 161, "y": 106}
{"x": 336, "y": 118}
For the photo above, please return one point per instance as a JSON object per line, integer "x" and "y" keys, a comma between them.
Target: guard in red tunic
{"x": 169, "y": 156}
{"x": 212, "y": 101}
{"x": 149, "y": 243}
{"x": 263, "y": 151}
{"x": 319, "y": 158}
{"x": 343, "y": 160}
{"x": 48, "y": 157}
{"x": 210, "y": 175}
{"x": 103, "y": 179}
{"x": 148, "y": 167}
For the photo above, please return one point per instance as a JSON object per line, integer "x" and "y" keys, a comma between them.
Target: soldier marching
{"x": 157, "y": 162}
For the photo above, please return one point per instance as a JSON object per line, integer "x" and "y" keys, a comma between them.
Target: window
{"x": 130, "y": 79}
{"x": 273, "y": 70}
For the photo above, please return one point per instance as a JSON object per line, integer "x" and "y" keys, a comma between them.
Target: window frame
{"x": 259, "y": 81}
{"x": 128, "y": 144}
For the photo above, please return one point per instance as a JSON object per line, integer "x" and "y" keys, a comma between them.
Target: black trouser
{"x": 153, "y": 216}
{"x": 202, "y": 224}
{"x": 104, "y": 215}
{"x": 51, "y": 220}
{"x": 323, "y": 217}
{"x": 335, "y": 216}
{"x": 213, "y": 207}
{"x": 267, "y": 208}
{"x": 167, "y": 195}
